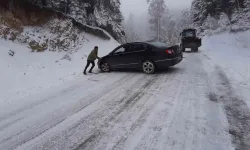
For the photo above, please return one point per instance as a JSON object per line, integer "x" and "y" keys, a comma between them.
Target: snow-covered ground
{"x": 227, "y": 59}
{"x": 202, "y": 103}
{"x": 231, "y": 52}
{"x": 27, "y": 72}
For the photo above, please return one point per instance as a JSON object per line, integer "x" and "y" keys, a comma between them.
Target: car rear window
{"x": 159, "y": 44}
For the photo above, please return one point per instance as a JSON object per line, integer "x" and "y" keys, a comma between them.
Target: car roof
{"x": 135, "y": 43}
{"x": 188, "y": 29}
{"x": 151, "y": 43}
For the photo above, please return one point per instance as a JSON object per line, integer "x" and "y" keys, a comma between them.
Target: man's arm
{"x": 97, "y": 55}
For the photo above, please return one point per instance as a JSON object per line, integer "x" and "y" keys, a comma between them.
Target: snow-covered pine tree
{"x": 157, "y": 9}
{"x": 185, "y": 20}
{"x": 105, "y": 14}
{"x": 210, "y": 24}
{"x": 236, "y": 10}
{"x": 170, "y": 31}
{"x": 223, "y": 22}
{"x": 247, "y": 9}
{"x": 198, "y": 12}
{"x": 172, "y": 36}
{"x": 247, "y": 4}
{"x": 130, "y": 34}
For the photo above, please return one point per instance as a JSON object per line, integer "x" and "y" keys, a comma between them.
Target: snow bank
{"x": 27, "y": 72}
{"x": 230, "y": 40}
{"x": 231, "y": 52}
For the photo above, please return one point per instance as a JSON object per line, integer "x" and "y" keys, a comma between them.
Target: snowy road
{"x": 190, "y": 106}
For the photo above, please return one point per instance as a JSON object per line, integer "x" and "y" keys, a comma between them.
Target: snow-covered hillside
{"x": 103, "y": 15}
{"x": 29, "y": 72}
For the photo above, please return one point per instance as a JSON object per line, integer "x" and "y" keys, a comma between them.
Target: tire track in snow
{"x": 134, "y": 117}
{"x": 54, "y": 123}
{"x": 44, "y": 100}
{"x": 151, "y": 135}
{"x": 3, "y": 126}
{"x": 179, "y": 122}
{"x": 96, "y": 115}
{"x": 87, "y": 141}
{"x": 99, "y": 120}
{"x": 127, "y": 102}
{"x": 130, "y": 100}
{"x": 237, "y": 112}
{"x": 96, "y": 126}
{"x": 141, "y": 119}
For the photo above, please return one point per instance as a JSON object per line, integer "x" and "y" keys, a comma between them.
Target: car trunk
{"x": 170, "y": 52}
{"x": 166, "y": 52}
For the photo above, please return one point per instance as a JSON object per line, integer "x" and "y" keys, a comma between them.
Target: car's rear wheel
{"x": 148, "y": 67}
{"x": 105, "y": 67}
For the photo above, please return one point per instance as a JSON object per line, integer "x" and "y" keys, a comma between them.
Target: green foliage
{"x": 36, "y": 47}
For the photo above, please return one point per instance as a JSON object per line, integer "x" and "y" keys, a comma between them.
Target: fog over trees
{"x": 158, "y": 23}
{"x": 161, "y": 22}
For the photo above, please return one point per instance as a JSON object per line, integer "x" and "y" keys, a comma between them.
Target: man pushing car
{"x": 91, "y": 60}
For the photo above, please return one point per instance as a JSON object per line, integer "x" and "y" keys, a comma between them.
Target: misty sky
{"x": 139, "y": 9}
{"x": 140, "y": 6}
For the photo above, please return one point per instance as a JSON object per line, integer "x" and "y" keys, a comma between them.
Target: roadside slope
{"x": 27, "y": 72}
{"x": 227, "y": 58}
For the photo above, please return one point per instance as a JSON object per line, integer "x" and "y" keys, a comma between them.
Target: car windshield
{"x": 188, "y": 34}
{"x": 158, "y": 44}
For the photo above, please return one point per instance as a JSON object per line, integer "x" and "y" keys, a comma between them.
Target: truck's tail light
{"x": 170, "y": 51}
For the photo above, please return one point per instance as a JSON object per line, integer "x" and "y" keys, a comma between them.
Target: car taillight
{"x": 170, "y": 51}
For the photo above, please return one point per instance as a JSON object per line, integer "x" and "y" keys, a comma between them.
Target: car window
{"x": 137, "y": 47}
{"x": 119, "y": 50}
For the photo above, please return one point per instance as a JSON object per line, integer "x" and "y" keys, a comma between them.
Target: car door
{"x": 135, "y": 54}
{"x": 118, "y": 58}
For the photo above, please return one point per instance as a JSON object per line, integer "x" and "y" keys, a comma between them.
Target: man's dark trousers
{"x": 92, "y": 62}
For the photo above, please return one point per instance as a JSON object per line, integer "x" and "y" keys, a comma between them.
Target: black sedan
{"x": 147, "y": 56}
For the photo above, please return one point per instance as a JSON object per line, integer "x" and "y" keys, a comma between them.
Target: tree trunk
{"x": 238, "y": 4}
{"x": 43, "y": 3}
{"x": 11, "y": 5}
{"x": 158, "y": 29}
{"x": 66, "y": 11}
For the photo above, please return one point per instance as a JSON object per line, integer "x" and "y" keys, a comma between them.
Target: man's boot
{"x": 84, "y": 72}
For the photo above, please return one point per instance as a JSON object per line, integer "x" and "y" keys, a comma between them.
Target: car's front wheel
{"x": 105, "y": 67}
{"x": 148, "y": 67}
